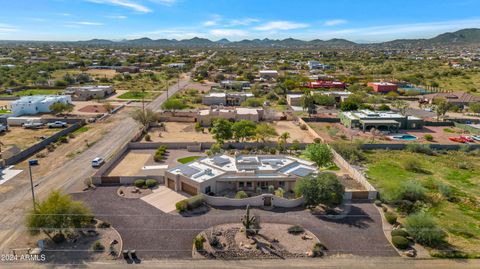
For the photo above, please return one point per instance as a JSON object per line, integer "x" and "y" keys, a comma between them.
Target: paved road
{"x": 155, "y": 234}
{"x": 72, "y": 173}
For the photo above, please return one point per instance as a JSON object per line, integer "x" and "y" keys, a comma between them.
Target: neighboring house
{"x": 221, "y": 173}
{"x": 176, "y": 65}
{"x": 32, "y": 105}
{"x": 317, "y": 65}
{"x": 235, "y": 85}
{"x": 294, "y": 99}
{"x": 380, "y": 120}
{"x": 206, "y": 116}
{"x": 268, "y": 74}
{"x": 383, "y": 87}
{"x": 327, "y": 84}
{"x": 460, "y": 99}
{"x": 84, "y": 93}
{"x": 226, "y": 99}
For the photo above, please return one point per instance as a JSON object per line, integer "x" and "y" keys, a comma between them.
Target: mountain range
{"x": 462, "y": 37}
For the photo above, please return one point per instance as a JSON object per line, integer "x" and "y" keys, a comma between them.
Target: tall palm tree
{"x": 282, "y": 140}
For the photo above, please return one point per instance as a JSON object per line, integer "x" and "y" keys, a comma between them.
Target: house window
{"x": 249, "y": 184}
{"x": 208, "y": 189}
{"x": 241, "y": 184}
{"x": 281, "y": 183}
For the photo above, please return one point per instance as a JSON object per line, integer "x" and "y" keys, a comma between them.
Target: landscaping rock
{"x": 410, "y": 253}
{"x": 306, "y": 237}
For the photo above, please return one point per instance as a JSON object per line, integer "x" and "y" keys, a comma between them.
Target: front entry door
{"x": 267, "y": 201}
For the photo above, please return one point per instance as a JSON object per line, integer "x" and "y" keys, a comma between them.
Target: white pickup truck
{"x": 32, "y": 125}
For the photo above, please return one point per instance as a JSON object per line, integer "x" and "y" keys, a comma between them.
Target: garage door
{"x": 189, "y": 189}
{"x": 171, "y": 184}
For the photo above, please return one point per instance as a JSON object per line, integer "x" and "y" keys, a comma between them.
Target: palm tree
{"x": 282, "y": 140}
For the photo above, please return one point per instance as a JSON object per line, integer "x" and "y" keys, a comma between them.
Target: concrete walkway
{"x": 164, "y": 198}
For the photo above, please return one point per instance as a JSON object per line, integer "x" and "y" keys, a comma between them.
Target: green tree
{"x": 264, "y": 131}
{"x": 173, "y": 104}
{"x": 308, "y": 103}
{"x": 253, "y": 102}
{"x": 424, "y": 230}
{"x": 474, "y": 108}
{"x": 348, "y": 105}
{"x": 324, "y": 100}
{"x": 282, "y": 141}
{"x": 323, "y": 188}
{"x": 222, "y": 130}
{"x": 401, "y": 106}
{"x": 58, "y": 214}
{"x": 441, "y": 107}
{"x": 319, "y": 153}
{"x": 243, "y": 130}
{"x": 145, "y": 117}
{"x": 60, "y": 107}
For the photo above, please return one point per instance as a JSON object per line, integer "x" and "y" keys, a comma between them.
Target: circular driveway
{"x": 154, "y": 234}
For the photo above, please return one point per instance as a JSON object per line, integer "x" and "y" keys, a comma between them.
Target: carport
{"x": 382, "y": 125}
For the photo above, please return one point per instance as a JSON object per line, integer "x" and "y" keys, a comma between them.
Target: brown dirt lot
{"x": 180, "y": 132}
{"x": 25, "y": 138}
{"x": 93, "y": 109}
{"x": 294, "y": 130}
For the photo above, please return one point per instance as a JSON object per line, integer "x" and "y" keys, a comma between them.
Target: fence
{"x": 432, "y": 146}
{"x": 323, "y": 119}
{"x": 207, "y": 145}
{"x": 258, "y": 200}
{"x": 468, "y": 128}
{"x": 41, "y": 145}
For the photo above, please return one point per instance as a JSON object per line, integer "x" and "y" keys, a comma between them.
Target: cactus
{"x": 249, "y": 222}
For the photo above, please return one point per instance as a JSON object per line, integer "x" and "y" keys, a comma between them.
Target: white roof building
{"x": 32, "y": 105}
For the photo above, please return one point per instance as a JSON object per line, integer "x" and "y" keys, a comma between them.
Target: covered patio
{"x": 382, "y": 125}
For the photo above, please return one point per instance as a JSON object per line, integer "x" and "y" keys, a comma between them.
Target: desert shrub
{"x": 444, "y": 190}
{"x": 424, "y": 230}
{"x": 271, "y": 189}
{"x": 405, "y": 206}
{"x": 378, "y": 203}
{"x": 463, "y": 165}
{"x": 413, "y": 166}
{"x": 98, "y": 246}
{"x": 280, "y": 192}
{"x": 241, "y": 195}
{"x": 351, "y": 152}
{"x": 104, "y": 225}
{"x": 198, "y": 242}
{"x": 71, "y": 135}
{"x": 160, "y": 153}
{"x": 399, "y": 232}
{"x": 317, "y": 140}
{"x": 318, "y": 249}
{"x": 400, "y": 242}
{"x": 181, "y": 206}
{"x": 63, "y": 139}
{"x": 195, "y": 202}
{"x": 148, "y": 138}
{"x": 139, "y": 183}
{"x": 303, "y": 127}
{"x": 391, "y": 217}
{"x": 296, "y": 229}
{"x": 418, "y": 148}
{"x": 150, "y": 183}
{"x": 412, "y": 190}
{"x": 428, "y": 137}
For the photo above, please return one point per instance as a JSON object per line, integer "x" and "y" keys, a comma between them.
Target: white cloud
{"x": 243, "y": 22}
{"x": 89, "y": 23}
{"x": 214, "y": 21}
{"x": 164, "y": 2}
{"x": 228, "y": 32}
{"x": 280, "y": 25}
{"x": 334, "y": 22}
{"x": 7, "y": 28}
{"x": 169, "y": 34}
{"x": 120, "y": 17}
{"x": 125, "y": 3}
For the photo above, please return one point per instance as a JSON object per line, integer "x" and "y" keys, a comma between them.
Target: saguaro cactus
{"x": 248, "y": 222}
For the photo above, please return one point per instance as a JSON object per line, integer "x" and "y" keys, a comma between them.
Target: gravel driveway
{"x": 155, "y": 234}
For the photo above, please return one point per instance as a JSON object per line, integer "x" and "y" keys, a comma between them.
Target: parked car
{"x": 57, "y": 124}
{"x": 32, "y": 125}
{"x": 97, "y": 162}
{"x": 3, "y": 128}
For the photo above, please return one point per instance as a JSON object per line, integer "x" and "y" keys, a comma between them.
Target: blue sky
{"x": 356, "y": 20}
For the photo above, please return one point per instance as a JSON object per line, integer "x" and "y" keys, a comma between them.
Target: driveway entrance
{"x": 164, "y": 198}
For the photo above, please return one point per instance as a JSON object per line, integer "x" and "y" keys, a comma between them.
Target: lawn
{"x": 81, "y": 130}
{"x": 35, "y": 92}
{"x": 460, "y": 171}
{"x": 5, "y": 111}
{"x": 188, "y": 159}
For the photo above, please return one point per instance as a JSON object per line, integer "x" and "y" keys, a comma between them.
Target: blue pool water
{"x": 404, "y": 137}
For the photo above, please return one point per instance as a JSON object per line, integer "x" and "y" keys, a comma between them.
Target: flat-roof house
{"x": 268, "y": 74}
{"x": 327, "y": 84}
{"x": 460, "y": 99}
{"x": 380, "y": 120}
{"x": 226, "y": 99}
{"x": 84, "y": 93}
{"x": 235, "y": 84}
{"x": 32, "y": 105}
{"x": 294, "y": 99}
{"x": 222, "y": 173}
{"x": 317, "y": 65}
{"x": 206, "y": 116}
{"x": 176, "y": 65}
{"x": 383, "y": 87}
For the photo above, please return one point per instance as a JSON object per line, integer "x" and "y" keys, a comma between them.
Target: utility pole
{"x": 30, "y": 164}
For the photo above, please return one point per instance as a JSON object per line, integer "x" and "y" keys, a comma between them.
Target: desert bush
{"x": 378, "y": 203}
{"x": 424, "y": 230}
{"x": 280, "y": 192}
{"x": 428, "y": 137}
{"x": 241, "y": 195}
{"x": 418, "y": 148}
{"x": 303, "y": 127}
{"x": 148, "y": 138}
{"x": 413, "y": 166}
{"x": 296, "y": 229}
{"x": 352, "y": 152}
{"x": 160, "y": 153}
{"x": 444, "y": 190}
{"x": 399, "y": 232}
{"x": 412, "y": 190}
{"x": 195, "y": 202}
{"x": 198, "y": 242}
{"x": 181, "y": 206}
{"x": 139, "y": 183}
{"x": 63, "y": 139}
{"x": 318, "y": 249}
{"x": 391, "y": 217}
{"x": 58, "y": 238}
{"x": 98, "y": 246}
{"x": 271, "y": 189}
{"x": 150, "y": 183}
{"x": 400, "y": 242}
{"x": 104, "y": 225}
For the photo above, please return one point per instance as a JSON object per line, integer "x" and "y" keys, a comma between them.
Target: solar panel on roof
{"x": 188, "y": 170}
{"x": 301, "y": 172}
{"x": 220, "y": 161}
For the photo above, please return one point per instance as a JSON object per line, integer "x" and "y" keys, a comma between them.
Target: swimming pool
{"x": 406, "y": 137}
